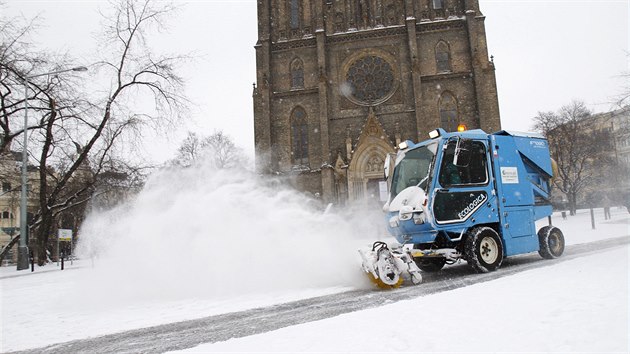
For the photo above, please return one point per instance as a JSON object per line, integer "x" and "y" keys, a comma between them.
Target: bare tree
{"x": 19, "y": 61}
{"x": 77, "y": 134}
{"x": 118, "y": 181}
{"x": 222, "y": 151}
{"x": 218, "y": 149}
{"x": 189, "y": 151}
{"x": 578, "y": 147}
{"x": 623, "y": 99}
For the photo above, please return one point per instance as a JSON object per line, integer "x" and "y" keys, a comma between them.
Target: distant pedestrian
{"x": 606, "y": 204}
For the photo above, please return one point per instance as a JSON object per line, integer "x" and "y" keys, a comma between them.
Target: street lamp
{"x": 23, "y": 248}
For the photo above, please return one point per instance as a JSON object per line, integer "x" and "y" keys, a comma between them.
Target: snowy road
{"x": 187, "y": 334}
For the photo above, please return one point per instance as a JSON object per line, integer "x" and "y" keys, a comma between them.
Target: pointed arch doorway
{"x": 365, "y": 173}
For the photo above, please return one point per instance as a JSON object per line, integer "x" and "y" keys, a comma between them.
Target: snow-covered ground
{"x": 577, "y": 305}
{"x": 581, "y": 305}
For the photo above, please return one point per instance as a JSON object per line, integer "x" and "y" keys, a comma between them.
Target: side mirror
{"x": 461, "y": 157}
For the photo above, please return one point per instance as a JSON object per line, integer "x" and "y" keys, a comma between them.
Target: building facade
{"x": 10, "y": 203}
{"x": 614, "y": 181}
{"x": 341, "y": 82}
{"x": 10, "y": 198}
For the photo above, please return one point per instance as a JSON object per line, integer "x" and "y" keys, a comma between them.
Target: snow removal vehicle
{"x": 464, "y": 195}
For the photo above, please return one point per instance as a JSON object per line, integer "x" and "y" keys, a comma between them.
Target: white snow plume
{"x": 221, "y": 234}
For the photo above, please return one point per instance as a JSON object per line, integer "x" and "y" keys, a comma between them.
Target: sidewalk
{"x": 12, "y": 272}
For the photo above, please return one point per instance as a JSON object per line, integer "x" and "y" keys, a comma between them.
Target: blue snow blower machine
{"x": 464, "y": 195}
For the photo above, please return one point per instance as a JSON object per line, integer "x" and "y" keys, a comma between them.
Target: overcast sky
{"x": 546, "y": 53}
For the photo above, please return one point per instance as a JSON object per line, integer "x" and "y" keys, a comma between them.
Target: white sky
{"x": 547, "y": 53}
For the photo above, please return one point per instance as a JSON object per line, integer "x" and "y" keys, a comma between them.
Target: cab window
{"x": 473, "y": 173}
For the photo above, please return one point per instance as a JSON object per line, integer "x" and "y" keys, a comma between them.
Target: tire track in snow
{"x": 187, "y": 334}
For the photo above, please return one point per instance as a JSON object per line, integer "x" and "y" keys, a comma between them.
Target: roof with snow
{"x": 523, "y": 134}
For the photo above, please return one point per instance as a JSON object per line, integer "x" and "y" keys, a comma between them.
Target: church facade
{"x": 341, "y": 82}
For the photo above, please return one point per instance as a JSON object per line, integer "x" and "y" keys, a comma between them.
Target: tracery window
{"x": 371, "y": 80}
{"x": 438, "y": 4}
{"x": 299, "y": 137}
{"x": 442, "y": 57}
{"x": 295, "y": 14}
{"x": 448, "y": 112}
{"x": 297, "y": 73}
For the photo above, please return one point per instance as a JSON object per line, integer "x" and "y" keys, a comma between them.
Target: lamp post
{"x": 22, "y": 262}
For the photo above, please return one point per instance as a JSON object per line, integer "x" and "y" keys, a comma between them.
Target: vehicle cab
{"x": 441, "y": 187}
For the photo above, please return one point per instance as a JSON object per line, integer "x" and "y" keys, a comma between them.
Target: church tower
{"x": 339, "y": 83}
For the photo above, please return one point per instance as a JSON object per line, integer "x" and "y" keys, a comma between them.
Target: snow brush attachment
{"x": 385, "y": 264}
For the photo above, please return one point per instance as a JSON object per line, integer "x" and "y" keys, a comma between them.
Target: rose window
{"x": 371, "y": 80}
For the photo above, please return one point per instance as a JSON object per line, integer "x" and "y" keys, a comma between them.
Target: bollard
{"x": 592, "y": 219}
{"x": 62, "y": 261}
{"x": 32, "y": 262}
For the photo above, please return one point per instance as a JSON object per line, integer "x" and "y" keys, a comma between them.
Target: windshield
{"x": 412, "y": 170}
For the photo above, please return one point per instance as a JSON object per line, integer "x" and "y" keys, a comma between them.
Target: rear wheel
{"x": 551, "y": 241}
{"x": 483, "y": 249}
{"x": 430, "y": 264}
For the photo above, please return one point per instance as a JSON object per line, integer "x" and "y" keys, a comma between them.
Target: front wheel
{"x": 551, "y": 241}
{"x": 483, "y": 249}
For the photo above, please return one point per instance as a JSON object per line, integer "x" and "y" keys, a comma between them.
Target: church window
{"x": 6, "y": 186}
{"x": 438, "y": 4}
{"x": 295, "y": 14}
{"x": 442, "y": 57}
{"x": 299, "y": 137}
{"x": 448, "y": 112}
{"x": 371, "y": 80}
{"x": 297, "y": 74}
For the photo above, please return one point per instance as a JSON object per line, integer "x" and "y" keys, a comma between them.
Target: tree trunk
{"x": 8, "y": 247}
{"x": 43, "y": 232}
{"x": 572, "y": 203}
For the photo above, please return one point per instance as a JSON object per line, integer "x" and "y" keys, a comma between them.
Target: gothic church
{"x": 341, "y": 82}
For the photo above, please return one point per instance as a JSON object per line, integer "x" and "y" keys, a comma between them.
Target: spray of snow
{"x": 199, "y": 232}
{"x": 345, "y": 89}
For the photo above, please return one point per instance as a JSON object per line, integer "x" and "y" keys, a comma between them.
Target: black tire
{"x": 551, "y": 241}
{"x": 430, "y": 264}
{"x": 483, "y": 249}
